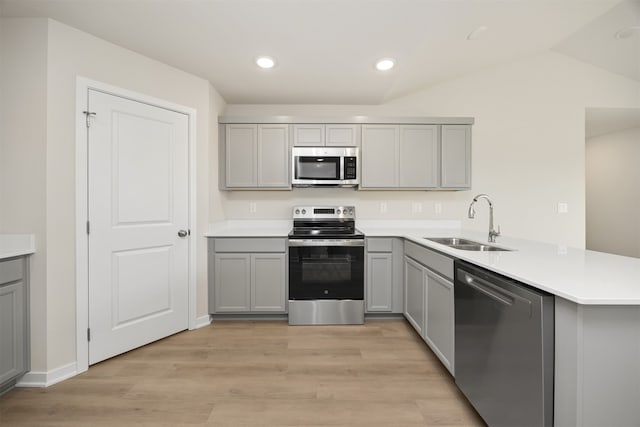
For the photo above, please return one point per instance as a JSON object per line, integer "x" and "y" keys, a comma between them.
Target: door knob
{"x": 183, "y": 233}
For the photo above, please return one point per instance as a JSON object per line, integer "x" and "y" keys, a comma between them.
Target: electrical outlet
{"x": 438, "y": 208}
{"x": 563, "y": 208}
{"x": 383, "y": 207}
{"x": 252, "y": 207}
{"x": 416, "y": 207}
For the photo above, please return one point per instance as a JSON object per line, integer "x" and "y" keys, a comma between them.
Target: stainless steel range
{"x": 326, "y": 267}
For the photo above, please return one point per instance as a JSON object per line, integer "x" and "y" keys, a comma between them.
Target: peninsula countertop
{"x": 582, "y": 276}
{"x": 16, "y": 245}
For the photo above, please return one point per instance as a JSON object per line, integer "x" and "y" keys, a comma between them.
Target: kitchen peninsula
{"x": 597, "y": 310}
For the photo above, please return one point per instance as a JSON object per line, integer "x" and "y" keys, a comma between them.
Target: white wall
{"x": 528, "y": 147}
{"x": 23, "y": 133}
{"x": 46, "y": 175}
{"x": 613, "y": 194}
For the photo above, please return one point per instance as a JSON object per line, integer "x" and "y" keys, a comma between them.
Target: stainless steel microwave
{"x": 325, "y": 166}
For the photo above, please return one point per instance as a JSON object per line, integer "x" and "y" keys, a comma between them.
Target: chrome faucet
{"x": 472, "y": 213}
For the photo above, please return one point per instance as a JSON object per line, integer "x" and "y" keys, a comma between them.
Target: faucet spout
{"x": 493, "y": 233}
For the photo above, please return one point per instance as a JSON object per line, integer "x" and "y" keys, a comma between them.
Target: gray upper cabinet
{"x": 400, "y": 156}
{"x": 456, "y": 157}
{"x": 395, "y": 153}
{"x": 273, "y": 156}
{"x": 379, "y": 156}
{"x": 318, "y": 135}
{"x": 255, "y": 157}
{"x": 241, "y": 156}
{"x": 418, "y": 155}
{"x": 14, "y": 331}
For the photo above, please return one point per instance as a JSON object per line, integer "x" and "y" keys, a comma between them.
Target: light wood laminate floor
{"x": 257, "y": 374}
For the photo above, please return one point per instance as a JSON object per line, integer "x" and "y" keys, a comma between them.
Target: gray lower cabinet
{"x": 440, "y": 317}
{"x": 429, "y": 302}
{"x": 247, "y": 275}
{"x": 254, "y": 156}
{"x": 384, "y": 289}
{"x": 414, "y": 287}
{"x": 14, "y": 324}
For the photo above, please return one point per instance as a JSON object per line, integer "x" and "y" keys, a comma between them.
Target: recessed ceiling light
{"x": 476, "y": 33}
{"x": 385, "y": 64}
{"x": 625, "y": 33}
{"x": 265, "y": 62}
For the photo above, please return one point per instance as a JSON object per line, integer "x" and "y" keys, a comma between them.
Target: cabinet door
{"x": 379, "y": 282}
{"x": 419, "y": 162}
{"x": 440, "y": 318}
{"x": 12, "y": 331}
{"x": 241, "y": 152}
{"x": 414, "y": 288}
{"x": 273, "y": 156}
{"x": 268, "y": 282}
{"x": 308, "y": 135}
{"x": 232, "y": 283}
{"x": 456, "y": 156}
{"x": 379, "y": 156}
{"x": 342, "y": 135}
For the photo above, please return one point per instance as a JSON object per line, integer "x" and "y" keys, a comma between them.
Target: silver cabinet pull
{"x": 183, "y": 233}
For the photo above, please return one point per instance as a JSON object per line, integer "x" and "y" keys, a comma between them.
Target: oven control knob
{"x": 304, "y": 211}
{"x": 350, "y": 211}
{"x": 339, "y": 211}
{"x": 297, "y": 211}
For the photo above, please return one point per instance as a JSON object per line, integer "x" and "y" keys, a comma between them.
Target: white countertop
{"x": 581, "y": 276}
{"x": 16, "y": 244}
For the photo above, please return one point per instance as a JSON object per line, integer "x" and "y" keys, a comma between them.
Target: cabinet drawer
{"x": 11, "y": 270}
{"x": 435, "y": 261}
{"x": 375, "y": 244}
{"x": 249, "y": 245}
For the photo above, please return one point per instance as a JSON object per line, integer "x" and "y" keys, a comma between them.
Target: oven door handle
{"x": 326, "y": 242}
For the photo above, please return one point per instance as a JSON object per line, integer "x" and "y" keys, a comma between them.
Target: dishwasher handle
{"x": 494, "y": 292}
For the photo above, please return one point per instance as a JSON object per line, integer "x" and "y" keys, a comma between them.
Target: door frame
{"x": 83, "y": 85}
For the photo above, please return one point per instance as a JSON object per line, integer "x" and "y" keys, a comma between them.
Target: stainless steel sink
{"x": 465, "y": 244}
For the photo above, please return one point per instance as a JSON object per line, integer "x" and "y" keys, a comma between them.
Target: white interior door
{"x": 138, "y": 204}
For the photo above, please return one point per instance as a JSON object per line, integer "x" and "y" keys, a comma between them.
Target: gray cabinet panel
{"x": 268, "y": 282}
{"x": 342, "y": 135}
{"x": 419, "y": 157}
{"x": 434, "y": 260}
{"x": 241, "y": 152}
{"x": 414, "y": 288}
{"x": 273, "y": 156}
{"x": 12, "y": 331}
{"x": 379, "y": 282}
{"x": 232, "y": 283}
{"x": 440, "y": 320}
{"x": 379, "y": 156}
{"x": 247, "y": 275}
{"x": 456, "y": 156}
{"x": 308, "y": 135}
{"x": 379, "y": 244}
{"x": 249, "y": 244}
{"x": 14, "y": 321}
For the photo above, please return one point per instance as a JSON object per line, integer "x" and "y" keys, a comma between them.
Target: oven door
{"x": 326, "y": 269}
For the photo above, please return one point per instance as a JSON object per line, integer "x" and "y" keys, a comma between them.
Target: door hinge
{"x": 88, "y": 334}
{"x": 88, "y": 227}
{"x": 88, "y": 115}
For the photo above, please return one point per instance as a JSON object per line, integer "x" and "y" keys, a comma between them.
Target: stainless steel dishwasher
{"x": 504, "y": 344}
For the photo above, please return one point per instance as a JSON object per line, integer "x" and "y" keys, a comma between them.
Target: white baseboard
{"x": 45, "y": 379}
{"x": 203, "y": 321}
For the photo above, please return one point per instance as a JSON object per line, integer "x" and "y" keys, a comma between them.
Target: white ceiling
{"x": 325, "y": 49}
{"x": 601, "y": 121}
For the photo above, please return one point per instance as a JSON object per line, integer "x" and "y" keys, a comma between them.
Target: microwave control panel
{"x": 350, "y": 167}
